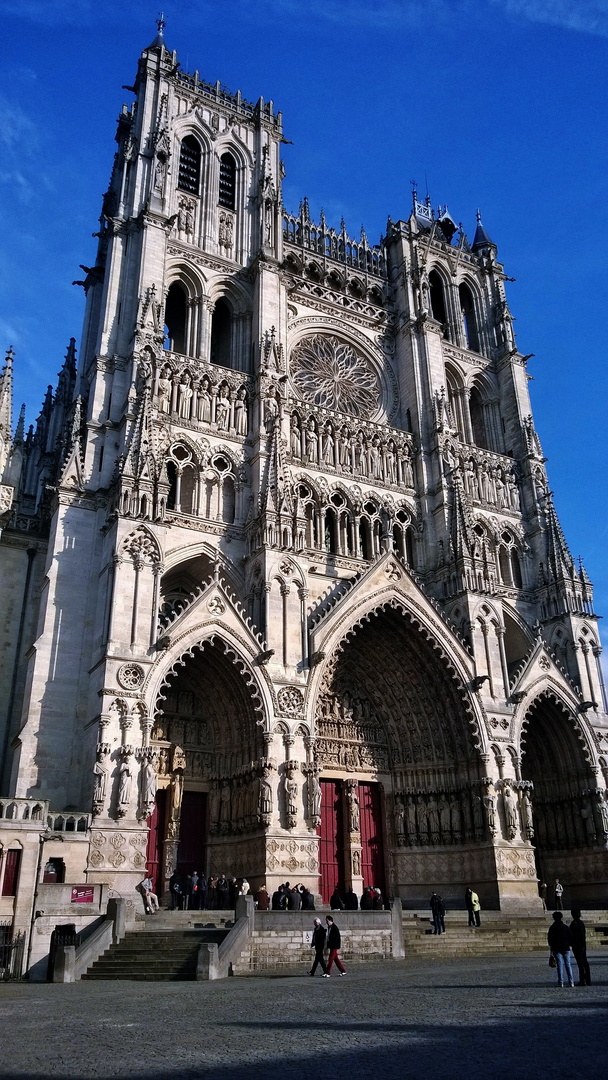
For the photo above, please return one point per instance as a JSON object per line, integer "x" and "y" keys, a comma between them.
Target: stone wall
{"x": 283, "y": 937}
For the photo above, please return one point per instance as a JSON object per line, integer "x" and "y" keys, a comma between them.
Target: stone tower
{"x": 285, "y": 592}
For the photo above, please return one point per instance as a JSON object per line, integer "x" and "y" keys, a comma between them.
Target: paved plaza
{"x": 500, "y": 1017}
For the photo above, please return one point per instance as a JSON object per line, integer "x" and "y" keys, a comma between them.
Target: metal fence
{"x": 11, "y": 953}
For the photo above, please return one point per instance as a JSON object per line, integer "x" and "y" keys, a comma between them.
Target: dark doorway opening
{"x": 192, "y": 850}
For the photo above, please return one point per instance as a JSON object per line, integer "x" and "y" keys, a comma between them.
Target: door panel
{"x": 331, "y": 846}
{"x": 372, "y": 846}
{"x": 154, "y": 853}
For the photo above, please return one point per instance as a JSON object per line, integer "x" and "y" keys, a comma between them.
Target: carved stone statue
{"x": 356, "y": 863}
{"x": 353, "y": 808}
{"x": 296, "y": 437}
{"x": 602, "y": 810}
{"x": 412, "y": 828}
{"x": 489, "y": 802}
{"x": 125, "y": 780}
{"x": 265, "y": 797}
{"x": 526, "y": 811}
{"x": 240, "y": 412}
{"x": 222, "y": 412}
{"x": 271, "y": 410}
{"x": 587, "y": 816}
{"x": 312, "y": 450}
{"x": 291, "y": 798}
{"x": 203, "y": 405}
{"x": 148, "y": 787}
{"x": 314, "y": 796}
{"x": 399, "y": 817}
{"x": 433, "y": 819}
{"x": 164, "y": 392}
{"x": 184, "y": 394}
{"x": 100, "y": 770}
{"x": 510, "y": 807}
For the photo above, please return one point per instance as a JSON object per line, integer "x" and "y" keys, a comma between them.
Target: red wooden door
{"x": 192, "y": 850}
{"x": 331, "y": 845}
{"x": 372, "y": 847}
{"x": 154, "y": 853}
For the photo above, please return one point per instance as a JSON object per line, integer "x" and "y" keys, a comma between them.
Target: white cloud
{"x": 588, "y": 16}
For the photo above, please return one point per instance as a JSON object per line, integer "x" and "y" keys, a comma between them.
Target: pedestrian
{"x": 244, "y": 889}
{"x": 468, "y": 903}
{"x": 579, "y": 947}
{"x": 194, "y": 897}
{"x": 146, "y": 888}
{"x": 476, "y": 908}
{"x": 367, "y": 900}
{"x": 262, "y": 898}
{"x": 278, "y": 899}
{"x": 378, "y": 904}
{"x": 560, "y": 943}
{"x": 319, "y": 936}
{"x": 201, "y": 892}
{"x": 233, "y": 892}
{"x": 351, "y": 901}
{"x": 308, "y": 900}
{"x": 212, "y": 893}
{"x": 175, "y": 888}
{"x": 223, "y": 893}
{"x": 334, "y": 942}
{"x": 294, "y": 899}
{"x": 542, "y": 892}
{"x": 186, "y": 892}
{"x": 438, "y": 913}
{"x": 559, "y": 892}
{"x": 336, "y": 902}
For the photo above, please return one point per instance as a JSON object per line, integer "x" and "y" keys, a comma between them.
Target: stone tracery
{"x": 331, "y": 374}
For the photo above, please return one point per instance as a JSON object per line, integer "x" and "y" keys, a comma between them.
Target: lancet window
{"x": 189, "y": 175}
{"x": 207, "y": 490}
{"x": 227, "y": 181}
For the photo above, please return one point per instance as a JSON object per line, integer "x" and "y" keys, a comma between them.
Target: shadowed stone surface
{"x": 443, "y": 1020}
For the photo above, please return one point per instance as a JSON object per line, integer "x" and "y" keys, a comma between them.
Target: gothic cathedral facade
{"x": 284, "y": 593}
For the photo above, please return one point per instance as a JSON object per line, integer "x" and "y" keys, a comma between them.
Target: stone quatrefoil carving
{"x": 333, "y": 375}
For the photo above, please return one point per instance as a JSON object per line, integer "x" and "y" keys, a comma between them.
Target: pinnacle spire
{"x": 6, "y": 395}
{"x": 481, "y": 238}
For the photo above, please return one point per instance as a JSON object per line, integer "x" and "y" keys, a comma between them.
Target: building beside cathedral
{"x": 283, "y": 590}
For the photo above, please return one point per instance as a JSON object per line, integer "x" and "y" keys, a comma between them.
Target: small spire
{"x": 20, "y": 430}
{"x": 159, "y": 40}
{"x": 160, "y": 22}
{"x": 481, "y": 238}
{"x": 6, "y": 393}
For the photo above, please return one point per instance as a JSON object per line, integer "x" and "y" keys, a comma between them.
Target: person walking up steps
{"x": 334, "y": 942}
{"x": 579, "y": 947}
{"x": 319, "y": 935}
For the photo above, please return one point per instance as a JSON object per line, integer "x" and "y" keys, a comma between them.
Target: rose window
{"x": 331, "y": 374}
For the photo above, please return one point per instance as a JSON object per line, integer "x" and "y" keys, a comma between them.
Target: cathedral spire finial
{"x": 160, "y": 22}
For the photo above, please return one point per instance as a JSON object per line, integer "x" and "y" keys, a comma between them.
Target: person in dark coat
{"x": 468, "y": 903}
{"x": 233, "y": 890}
{"x": 212, "y": 893}
{"x": 367, "y": 900}
{"x": 196, "y": 887}
{"x": 308, "y": 900}
{"x": 336, "y": 903}
{"x": 351, "y": 902}
{"x": 262, "y": 898}
{"x": 277, "y": 899}
{"x": 579, "y": 947}
{"x": 186, "y": 892}
{"x": 319, "y": 935}
{"x": 175, "y": 888}
{"x": 334, "y": 941}
{"x": 560, "y": 943}
{"x": 378, "y": 902}
{"x": 223, "y": 894}
{"x": 438, "y": 912}
{"x": 294, "y": 900}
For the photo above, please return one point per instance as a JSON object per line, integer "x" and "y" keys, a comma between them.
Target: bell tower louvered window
{"x": 227, "y": 181}
{"x": 189, "y": 165}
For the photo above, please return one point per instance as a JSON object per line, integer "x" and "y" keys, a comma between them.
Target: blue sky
{"x": 499, "y": 104}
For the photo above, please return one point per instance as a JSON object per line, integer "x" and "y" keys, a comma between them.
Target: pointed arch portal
{"x": 398, "y": 763}
{"x": 210, "y": 755}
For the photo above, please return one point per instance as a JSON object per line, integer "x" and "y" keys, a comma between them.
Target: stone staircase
{"x": 497, "y": 934}
{"x": 165, "y": 947}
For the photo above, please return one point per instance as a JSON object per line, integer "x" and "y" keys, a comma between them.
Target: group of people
{"x": 471, "y": 902}
{"x": 371, "y": 900}
{"x": 566, "y": 939}
{"x": 286, "y": 898}
{"x": 194, "y": 892}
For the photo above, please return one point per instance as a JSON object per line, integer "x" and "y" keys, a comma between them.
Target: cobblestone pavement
{"x": 420, "y": 1020}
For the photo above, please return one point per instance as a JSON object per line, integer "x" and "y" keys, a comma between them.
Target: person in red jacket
{"x": 334, "y": 942}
